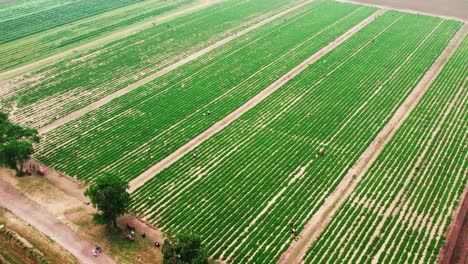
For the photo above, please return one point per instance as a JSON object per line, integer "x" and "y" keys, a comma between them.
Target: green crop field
{"x": 279, "y": 131}
{"x": 70, "y": 32}
{"x": 263, "y": 168}
{"x": 217, "y": 83}
{"x": 402, "y": 208}
{"x": 22, "y": 18}
{"x": 71, "y": 84}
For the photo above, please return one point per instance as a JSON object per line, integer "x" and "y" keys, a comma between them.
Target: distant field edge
{"x": 455, "y": 237}
{"x": 111, "y": 36}
{"x": 319, "y": 221}
{"x": 406, "y": 10}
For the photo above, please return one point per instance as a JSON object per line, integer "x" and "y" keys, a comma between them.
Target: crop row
{"x": 249, "y": 185}
{"x": 57, "y": 13}
{"x": 46, "y": 43}
{"x": 401, "y": 210}
{"x": 127, "y": 135}
{"x": 73, "y": 83}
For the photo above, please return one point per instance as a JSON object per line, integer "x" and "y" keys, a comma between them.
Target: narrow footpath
{"x": 43, "y": 221}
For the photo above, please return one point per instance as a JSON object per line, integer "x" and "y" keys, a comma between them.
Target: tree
{"x": 16, "y": 144}
{"x": 184, "y": 248}
{"x": 108, "y": 194}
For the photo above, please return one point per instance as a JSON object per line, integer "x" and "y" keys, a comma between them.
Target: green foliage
{"x": 184, "y": 248}
{"x": 49, "y": 39}
{"x": 16, "y": 144}
{"x": 195, "y": 96}
{"x": 108, "y": 194}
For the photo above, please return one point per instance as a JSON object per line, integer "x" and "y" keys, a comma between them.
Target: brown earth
{"x": 41, "y": 244}
{"x": 457, "y": 9}
{"x": 63, "y": 197}
{"x": 456, "y": 246}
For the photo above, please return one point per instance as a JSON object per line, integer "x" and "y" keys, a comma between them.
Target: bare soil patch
{"x": 63, "y": 197}
{"x": 455, "y": 9}
{"x": 37, "y": 241}
{"x": 456, "y": 246}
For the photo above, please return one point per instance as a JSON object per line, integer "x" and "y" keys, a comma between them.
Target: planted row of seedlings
{"x": 52, "y": 41}
{"x": 134, "y": 132}
{"x": 402, "y": 208}
{"x": 75, "y": 82}
{"x": 21, "y": 21}
{"x": 251, "y": 188}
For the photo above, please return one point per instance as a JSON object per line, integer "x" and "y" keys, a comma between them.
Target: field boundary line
{"x": 406, "y": 10}
{"x": 32, "y": 213}
{"x": 80, "y": 112}
{"x": 454, "y": 235}
{"x": 9, "y": 74}
{"x": 323, "y": 216}
{"x": 218, "y": 126}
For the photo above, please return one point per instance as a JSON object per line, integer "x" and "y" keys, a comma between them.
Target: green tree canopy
{"x": 16, "y": 144}
{"x": 108, "y": 193}
{"x": 184, "y": 249}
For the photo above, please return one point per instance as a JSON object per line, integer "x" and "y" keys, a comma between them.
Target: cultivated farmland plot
{"x": 23, "y": 46}
{"x": 401, "y": 210}
{"x": 23, "y": 18}
{"x": 297, "y": 100}
{"x": 180, "y": 105}
{"x": 73, "y": 83}
{"x": 242, "y": 188}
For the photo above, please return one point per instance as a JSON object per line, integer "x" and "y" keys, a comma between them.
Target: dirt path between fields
{"x": 133, "y": 86}
{"x": 166, "y": 162}
{"x": 74, "y": 188}
{"x": 43, "y": 221}
{"x": 456, "y": 246}
{"x": 413, "y": 8}
{"x": 117, "y": 35}
{"x": 322, "y": 217}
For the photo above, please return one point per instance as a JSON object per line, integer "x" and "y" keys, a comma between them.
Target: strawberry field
{"x": 59, "y": 38}
{"x": 246, "y": 187}
{"x": 401, "y": 210}
{"x": 22, "y": 18}
{"x": 180, "y": 105}
{"x": 73, "y": 83}
{"x": 279, "y": 131}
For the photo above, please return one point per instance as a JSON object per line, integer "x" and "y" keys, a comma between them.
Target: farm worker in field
{"x": 166, "y": 143}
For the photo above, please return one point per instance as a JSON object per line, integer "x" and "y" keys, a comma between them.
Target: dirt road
{"x": 323, "y": 216}
{"x": 145, "y": 176}
{"x": 43, "y": 221}
{"x": 456, "y": 246}
{"x": 450, "y": 9}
